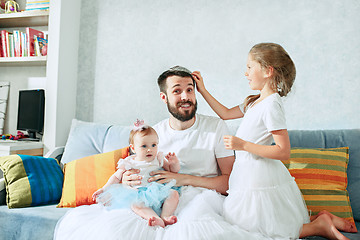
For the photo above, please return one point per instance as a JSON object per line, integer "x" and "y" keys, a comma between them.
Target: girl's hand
{"x": 130, "y": 177}
{"x": 200, "y": 86}
{"x": 165, "y": 177}
{"x": 96, "y": 194}
{"x": 234, "y": 143}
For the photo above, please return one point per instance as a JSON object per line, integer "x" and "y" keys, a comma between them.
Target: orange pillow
{"x": 84, "y": 176}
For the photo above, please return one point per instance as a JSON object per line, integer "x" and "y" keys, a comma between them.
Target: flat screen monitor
{"x": 31, "y": 107}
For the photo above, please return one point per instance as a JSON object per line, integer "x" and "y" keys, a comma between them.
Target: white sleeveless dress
{"x": 263, "y": 196}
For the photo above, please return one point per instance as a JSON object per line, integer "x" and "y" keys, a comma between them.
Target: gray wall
{"x": 125, "y": 45}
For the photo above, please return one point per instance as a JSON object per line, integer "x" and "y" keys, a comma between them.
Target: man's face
{"x": 180, "y": 97}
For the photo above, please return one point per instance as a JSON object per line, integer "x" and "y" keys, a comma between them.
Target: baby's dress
{"x": 151, "y": 194}
{"x": 263, "y": 196}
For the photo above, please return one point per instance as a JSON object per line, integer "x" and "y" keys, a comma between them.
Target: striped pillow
{"x": 31, "y": 180}
{"x": 84, "y": 176}
{"x": 322, "y": 179}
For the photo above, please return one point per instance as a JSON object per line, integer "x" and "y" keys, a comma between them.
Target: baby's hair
{"x": 273, "y": 55}
{"x": 144, "y": 131}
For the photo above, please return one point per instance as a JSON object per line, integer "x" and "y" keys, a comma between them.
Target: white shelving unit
{"x": 63, "y": 22}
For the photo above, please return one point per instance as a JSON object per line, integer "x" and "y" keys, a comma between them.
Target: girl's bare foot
{"x": 170, "y": 220}
{"x": 340, "y": 223}
{"x": 156, "y": 221}
{"x": 326, "y": 228}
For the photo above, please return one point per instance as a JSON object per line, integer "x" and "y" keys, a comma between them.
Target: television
{"x": 31, "y": 106}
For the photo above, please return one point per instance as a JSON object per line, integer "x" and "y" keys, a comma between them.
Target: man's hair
{"x": 174, "y": 71}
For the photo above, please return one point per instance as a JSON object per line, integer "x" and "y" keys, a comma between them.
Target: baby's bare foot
{"x": 156, "y": 221}
{"x": 170, "y": 220}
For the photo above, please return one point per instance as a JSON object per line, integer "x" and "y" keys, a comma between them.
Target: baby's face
{"x": 146, "y": 147}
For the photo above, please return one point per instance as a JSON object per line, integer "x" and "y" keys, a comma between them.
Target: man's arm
{"x": 219, "y": 183}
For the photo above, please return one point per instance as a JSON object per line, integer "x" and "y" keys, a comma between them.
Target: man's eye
{"x": 190, "y": 90}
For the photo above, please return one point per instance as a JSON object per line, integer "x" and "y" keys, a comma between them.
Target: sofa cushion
{"x": 116, "y": 137}
{"x": 322, "y": 179}
{"x": 84, "y": 176}
{"x": 31, "y": 180}
{"x": 85, "y": 139}
{"x": 334, "y": 139}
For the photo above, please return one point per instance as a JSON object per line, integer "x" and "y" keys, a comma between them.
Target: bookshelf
{"x": 21, "y": 20}
{"x": 59, "y": 67}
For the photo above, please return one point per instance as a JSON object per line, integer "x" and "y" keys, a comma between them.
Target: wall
{"x": 125, "y": 45}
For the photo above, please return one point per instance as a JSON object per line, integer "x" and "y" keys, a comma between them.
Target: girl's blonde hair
{"x": 273, "y": 55}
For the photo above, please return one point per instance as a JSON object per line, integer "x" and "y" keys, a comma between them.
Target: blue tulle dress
{"x": 151, "y": 194}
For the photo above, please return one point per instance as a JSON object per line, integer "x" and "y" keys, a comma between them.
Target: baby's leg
{"x": 148, "y": 214}
{"x": 169, "y": 208}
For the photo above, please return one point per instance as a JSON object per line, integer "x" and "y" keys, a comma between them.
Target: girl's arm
{"x": 222, "y": 111}
{"x": 280, "y": 151}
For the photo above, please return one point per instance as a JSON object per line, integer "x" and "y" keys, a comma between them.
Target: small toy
{"x": 11, "y": 6}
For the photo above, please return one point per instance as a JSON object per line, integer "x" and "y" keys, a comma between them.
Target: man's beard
{"x": 183, "y": 117}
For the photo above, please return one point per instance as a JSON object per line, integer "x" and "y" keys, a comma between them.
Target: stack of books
{"x": 21, "y": 44}
{"x": 37, "y": 5}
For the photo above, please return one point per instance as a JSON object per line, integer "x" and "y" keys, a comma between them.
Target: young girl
{"x": 263, "y": 197}
{"x": 146, "y": 199}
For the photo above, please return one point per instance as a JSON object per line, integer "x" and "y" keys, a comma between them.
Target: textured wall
{"x": 126, "y": 44}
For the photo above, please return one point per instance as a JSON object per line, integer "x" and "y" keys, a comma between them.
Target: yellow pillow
{"x": 84, "y": 176}
{"x": 322, "y": 179}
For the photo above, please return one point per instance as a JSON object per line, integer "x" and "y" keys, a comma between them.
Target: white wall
{"x": 125, "y": 45}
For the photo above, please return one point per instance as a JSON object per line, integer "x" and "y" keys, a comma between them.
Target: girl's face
{"x": 145, "y": 147}
{"x": 255, "y": 74}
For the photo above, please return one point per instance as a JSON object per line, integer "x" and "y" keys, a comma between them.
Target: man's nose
{"x": 184, "y": 96}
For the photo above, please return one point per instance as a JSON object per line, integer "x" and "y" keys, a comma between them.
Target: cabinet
{"x": 59, "y": 67}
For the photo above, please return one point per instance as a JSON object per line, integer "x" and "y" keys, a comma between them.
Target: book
{"x": 30, "y": 33}
{"x": 1, "y": 53}
{"x": 17, "y": 43}
{"x": 11, "y": 45}
{"x": 3, "y": 43}
{"x": 42, "y": 46}
{"x": 37, "y": 5}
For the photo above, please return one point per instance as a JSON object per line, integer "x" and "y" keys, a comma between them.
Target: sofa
{"x": 86, "y": 139}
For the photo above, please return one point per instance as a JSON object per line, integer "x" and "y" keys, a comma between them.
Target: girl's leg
{"x": 148, "y": 214}
{"x": 322, "y": 226}
{"x": 169, "y": 208}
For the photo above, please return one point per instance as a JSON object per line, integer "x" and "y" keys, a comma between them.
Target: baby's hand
{"x": 96, "y": 194}
{"x": 174, "y": 164}
{"x": 200, "y": 86}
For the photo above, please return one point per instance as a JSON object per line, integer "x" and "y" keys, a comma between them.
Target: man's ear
{"x": 163, "y": 97}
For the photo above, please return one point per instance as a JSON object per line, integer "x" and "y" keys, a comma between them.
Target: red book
{"x": 30, "y": 33}
{"x": 3, "y": 43}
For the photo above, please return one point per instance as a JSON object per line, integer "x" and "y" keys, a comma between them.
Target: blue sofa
{"x": 91, "y": 138}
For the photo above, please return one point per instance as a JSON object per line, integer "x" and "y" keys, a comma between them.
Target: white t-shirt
{"x": 197, "y": 147}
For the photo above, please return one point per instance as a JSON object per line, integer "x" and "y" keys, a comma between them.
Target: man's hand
{"x": 165, "y": 177}
{"x": 130, "y": 177}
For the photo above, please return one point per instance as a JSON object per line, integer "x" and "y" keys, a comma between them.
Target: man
{"x": 196, "y": 139}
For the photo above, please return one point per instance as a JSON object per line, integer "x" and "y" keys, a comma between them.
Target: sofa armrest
{"x": 55, "y": 153}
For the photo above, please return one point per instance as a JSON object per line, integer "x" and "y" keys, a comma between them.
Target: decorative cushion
{"x": 85, "y": 139}
{"x": 84, "y": 176}
{"x": 31, "y": 180}
{"x": 322, "y": 179}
